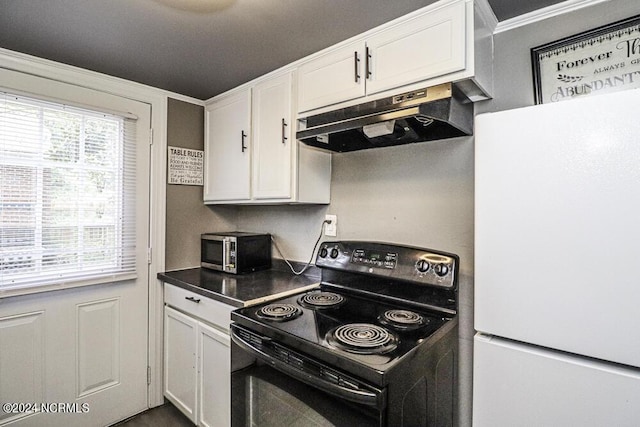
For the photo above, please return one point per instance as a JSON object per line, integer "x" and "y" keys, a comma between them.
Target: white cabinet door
{"x": 180, "y": 351}
{"x": 228, "y": 148}
{"x": 331, "y": 78}
{"x": 214, "y": 368}
{"x": 273, "y": 138}
{"x": 429, "y": 45}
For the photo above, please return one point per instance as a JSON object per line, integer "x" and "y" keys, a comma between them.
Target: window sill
{"x": 65, "y": 284}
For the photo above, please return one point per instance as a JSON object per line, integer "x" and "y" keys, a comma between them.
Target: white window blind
{"x": 67, "y": 194}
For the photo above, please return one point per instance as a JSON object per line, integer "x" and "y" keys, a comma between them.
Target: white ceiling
{"x": 198, "y": 52}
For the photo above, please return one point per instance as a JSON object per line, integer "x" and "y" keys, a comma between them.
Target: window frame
{"x": 38, "y": 285}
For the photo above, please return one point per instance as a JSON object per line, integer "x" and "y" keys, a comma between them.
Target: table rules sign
{"x": 186, "y": 166}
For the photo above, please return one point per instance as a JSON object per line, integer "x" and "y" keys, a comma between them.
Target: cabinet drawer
{"x": 214, "y": 312}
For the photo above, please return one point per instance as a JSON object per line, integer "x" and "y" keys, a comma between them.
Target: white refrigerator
{"x": 557, "y": 264}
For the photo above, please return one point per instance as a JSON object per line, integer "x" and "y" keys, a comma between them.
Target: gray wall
{"x": 512, "y": 62}
{"x": 419, "y": 194}
{"x": 187, "y": 217}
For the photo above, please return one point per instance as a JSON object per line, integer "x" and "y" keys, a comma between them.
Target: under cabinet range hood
{"x": 434, "y": 113}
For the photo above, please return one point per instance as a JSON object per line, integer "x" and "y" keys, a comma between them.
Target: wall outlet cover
{"x": 331, "y": 229}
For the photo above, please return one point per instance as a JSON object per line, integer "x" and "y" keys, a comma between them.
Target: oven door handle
{"x": 363, "y": 397}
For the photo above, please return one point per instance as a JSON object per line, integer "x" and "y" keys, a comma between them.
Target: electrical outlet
{"x": 331, "y": 229}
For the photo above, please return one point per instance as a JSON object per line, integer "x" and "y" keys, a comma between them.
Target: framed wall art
{"x": 185, "y": 166}
{"x": 604, "y": 59}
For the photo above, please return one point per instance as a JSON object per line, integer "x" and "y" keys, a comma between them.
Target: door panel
{"x": 84, "y": 347}
{"x": 22, "y": 357}
{"x": 98, "y": 359}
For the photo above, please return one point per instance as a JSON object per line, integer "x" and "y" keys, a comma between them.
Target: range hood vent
{"x": 434, "y": 113}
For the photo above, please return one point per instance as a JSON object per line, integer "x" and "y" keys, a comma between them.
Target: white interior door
{"x": 83, "y": 349}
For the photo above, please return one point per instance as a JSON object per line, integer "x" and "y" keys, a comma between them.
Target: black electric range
{"x": 380, "y": 331}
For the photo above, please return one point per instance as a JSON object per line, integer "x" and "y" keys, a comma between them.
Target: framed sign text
{"x": 605, "y": 59}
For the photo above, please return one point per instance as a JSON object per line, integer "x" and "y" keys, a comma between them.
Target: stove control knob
{"x": 323, "y": 252}
{"x": 441, "y": 269}
{"x": 422, "y": 266}
{"x": 334, "y": 253}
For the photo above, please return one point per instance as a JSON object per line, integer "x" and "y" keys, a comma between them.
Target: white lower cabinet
{"x": 197, "y": 360}
{"x": 180, "y": 361}
{"x": 214, "y": 367}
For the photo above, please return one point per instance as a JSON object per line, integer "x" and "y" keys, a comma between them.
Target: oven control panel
{"x": 419, "y": 265}
{"x": 374, "y": 258}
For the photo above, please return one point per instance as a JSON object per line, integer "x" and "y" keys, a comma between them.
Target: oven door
{"x": 271, "y": 388}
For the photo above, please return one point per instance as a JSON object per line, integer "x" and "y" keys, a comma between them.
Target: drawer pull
{"x": 192, "y": 299}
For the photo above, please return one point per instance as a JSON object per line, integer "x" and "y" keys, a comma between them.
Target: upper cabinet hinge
{"x": 150, "y": 136}
{"x": 148, "y": 375}
{"x": 149, "y": 255}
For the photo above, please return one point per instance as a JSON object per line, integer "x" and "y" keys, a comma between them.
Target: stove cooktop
{"x": 359, "y": 334}
{"x": 377, "y": 305}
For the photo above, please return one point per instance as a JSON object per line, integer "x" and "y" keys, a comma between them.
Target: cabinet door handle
{"x": 192, "y": 299}
{"x": 367, "y": 62}
{"x": 356, "y": 64}
{"x": 243, "y": 135}
{"x": 284, "y": 132}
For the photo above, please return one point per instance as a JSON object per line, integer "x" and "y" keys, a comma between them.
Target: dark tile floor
{"x": 162, "y": 416}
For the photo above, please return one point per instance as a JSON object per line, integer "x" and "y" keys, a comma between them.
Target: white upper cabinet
{"x": 273, "y": 139}
{"x": 434, "y": 45}
{"x": 421, "y": 48}
{"x": 333, "y": 77}
{"x": 252, "y": 155}
{"x": 228, "y": 148}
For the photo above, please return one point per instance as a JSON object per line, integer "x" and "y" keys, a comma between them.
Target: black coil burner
{"x": 279, "y": 312}
{"x": 362, "y": 338}
{"x": 403, "y": 319}
{"x": 321, "y": 300}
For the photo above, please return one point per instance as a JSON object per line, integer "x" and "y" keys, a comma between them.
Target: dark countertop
{"x": 240, "y": 290}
